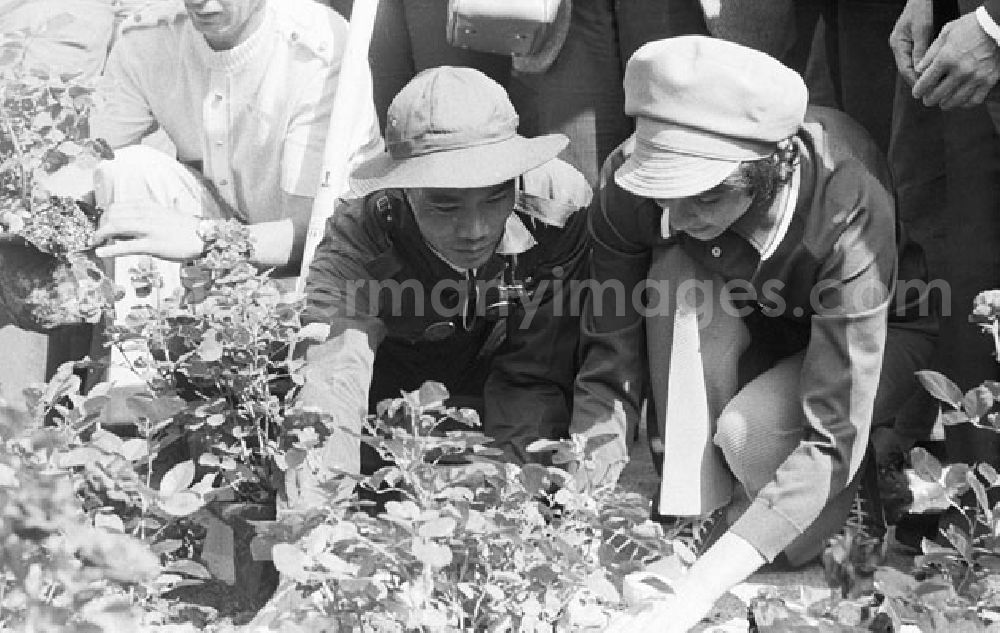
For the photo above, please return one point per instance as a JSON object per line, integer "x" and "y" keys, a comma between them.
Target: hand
{"x": 672, "y": 613}
{"x": 960, "y": 67}
{"x": 911, "y": 36}
{"x": 145, "y": 228}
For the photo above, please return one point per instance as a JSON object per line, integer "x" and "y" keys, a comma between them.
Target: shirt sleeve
{"x": 121, "y": 114}
{"x": 305, "y": 142}
{"x": 840, "y": 371}
{"x": 987, "y": 18}
{"x": 610, "y": 384}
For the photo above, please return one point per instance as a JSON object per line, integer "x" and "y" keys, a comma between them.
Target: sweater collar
{"x": 237, "y": 57}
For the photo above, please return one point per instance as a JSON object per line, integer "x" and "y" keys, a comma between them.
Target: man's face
{"x": 224, "y": 23}
{"x": 463, "y": 225}
{"x": 707, "y": 215}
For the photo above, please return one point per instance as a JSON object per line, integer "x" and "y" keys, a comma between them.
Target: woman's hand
{"x": 672, "y": 613}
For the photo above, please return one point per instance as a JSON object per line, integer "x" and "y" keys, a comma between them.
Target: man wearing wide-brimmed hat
{"x": 765, "y": 234}
{"x": 448, "y": 267}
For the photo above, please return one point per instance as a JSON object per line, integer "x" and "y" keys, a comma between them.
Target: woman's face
{"x": 705, "y": 216}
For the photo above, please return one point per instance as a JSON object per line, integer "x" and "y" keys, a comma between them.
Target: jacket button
{"x": 716, "y": 252}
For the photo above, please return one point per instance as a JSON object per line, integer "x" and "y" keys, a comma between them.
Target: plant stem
{"x": 8, "y": 128}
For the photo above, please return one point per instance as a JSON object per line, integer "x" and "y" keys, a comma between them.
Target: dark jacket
{"x": 399, "y": 315}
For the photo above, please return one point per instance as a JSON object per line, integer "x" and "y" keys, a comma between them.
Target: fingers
{"x": 927, "y": 82}
{"x": 902, "y": 50}
{"x": 122, "y": 227}
{"x": 927, "y": 57}
{"x": 125, "y": 247}
{"x": 978, "y": 97}
{"x": 960, "y": 98}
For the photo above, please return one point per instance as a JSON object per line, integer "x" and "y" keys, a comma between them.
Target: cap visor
{"x": 671, "y": 175}
{"x": 479, "y": 166}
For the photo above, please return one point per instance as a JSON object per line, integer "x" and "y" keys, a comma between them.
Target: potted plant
{"x": 46, "y": 160}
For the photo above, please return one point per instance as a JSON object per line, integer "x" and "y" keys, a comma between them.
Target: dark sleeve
{"x": 840, "y": 371}
{"x": 338, "y": 371}
{"x": 993, "y": 8}
{"x": 530, "y": 384}
{"x": 610, "y": 385}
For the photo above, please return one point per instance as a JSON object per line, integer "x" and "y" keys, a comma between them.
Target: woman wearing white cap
{"x": 765, "y": 236}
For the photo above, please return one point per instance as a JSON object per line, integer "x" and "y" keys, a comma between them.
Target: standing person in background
{"x": 945, "y": 158}
{"x": 573, "y": 85}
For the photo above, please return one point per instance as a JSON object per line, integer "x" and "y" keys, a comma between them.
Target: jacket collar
{"x": 764, "y": 229}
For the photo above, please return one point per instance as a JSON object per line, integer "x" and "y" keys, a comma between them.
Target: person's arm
{"x": 145, "y": 228}
{"x": 338, "y": 371}
{"x": 610, "y": 383}
{"x": 529, "y": 386}
{"x": 961, "y": 66}
{"x": 121, "y": 115}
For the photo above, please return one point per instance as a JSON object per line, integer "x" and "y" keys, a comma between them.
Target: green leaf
{"x": 210, "y": 349}
{"x": 941, "y": 387}
{"x": 402, "y": 511}
{"x": 187, "y": 567}
{"x": 8, "y": 477}
{"x": 535, "y": 478}
{"x": 83, "y": 456}
{"x": 182, "y": 504}
{"x": 432, "y": 394}
{"x": 960, "y": 540}
{"x": 166, "y": 546}
{"x": 178, "y": 478}
{"x": 989, "y": 474}
{"x": 925, "y": 465}
{"x": 956, "y": 479}
{"x": 134, "y": 449}
{"x": 980, "y": 492}
{"x": 291, "y": 561}
{"x": 110, "y": 522}
{"x": 954, "y": 418}
{"x": 977, "y": 402}
{"x": 431, "y": 554}
{"x": 893, "y": 583}
{"x": 441, "y": 527}
{"x": 155, "y": 408}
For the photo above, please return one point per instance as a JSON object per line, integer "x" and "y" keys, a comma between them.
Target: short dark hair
{"x": 762, "y": 177}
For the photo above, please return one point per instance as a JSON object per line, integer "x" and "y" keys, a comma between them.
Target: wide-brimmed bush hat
{"x": 452, "y": 127}
{"x": 702, "y": 107}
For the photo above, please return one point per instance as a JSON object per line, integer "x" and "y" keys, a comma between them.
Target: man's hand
{"x": 960, "y": 67}
{"x": 145, "y": 228}
{"x": 911, "y": 36}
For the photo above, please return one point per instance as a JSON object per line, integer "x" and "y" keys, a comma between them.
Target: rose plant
{"x": 46, "y": 161}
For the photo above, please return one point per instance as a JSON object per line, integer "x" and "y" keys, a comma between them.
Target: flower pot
{"x": 227, "y": 549}
{"x": 23, "y": 268}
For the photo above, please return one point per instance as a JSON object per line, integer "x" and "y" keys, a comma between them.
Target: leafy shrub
{"x": 464, "y": 542}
